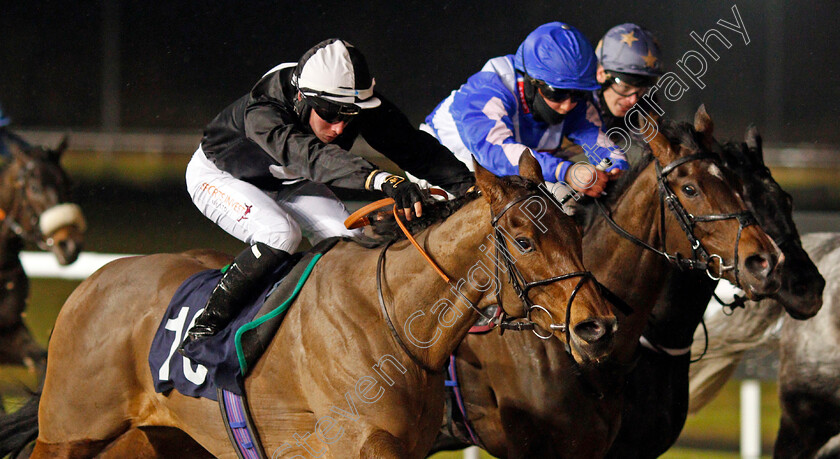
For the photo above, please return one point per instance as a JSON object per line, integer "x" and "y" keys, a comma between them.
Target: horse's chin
{"x": 588, "y": 355}
{"x": 799, "y": 308}
{"x": 66, "y": 256}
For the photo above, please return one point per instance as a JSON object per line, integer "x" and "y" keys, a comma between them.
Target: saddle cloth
{"x": 223, "y": 360}
{"x": 213, "y": 361}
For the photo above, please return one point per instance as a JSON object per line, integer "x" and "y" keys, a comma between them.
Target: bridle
{"x": 23, "y": 211}
{"x": 520, "y": 285}
{"x": 701, "y": 258}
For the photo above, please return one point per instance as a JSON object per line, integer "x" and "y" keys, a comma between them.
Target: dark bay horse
{"x": 514, "y": 415}
{"x": 656, "y": 398}
{"x": 34, "y": 208}
{"x": 334, "y": 382}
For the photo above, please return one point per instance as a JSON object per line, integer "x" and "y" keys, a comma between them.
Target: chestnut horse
{"x": 575, "y": 413}
{"x": 34, "y": 208}
{"x": 335, "y": 381}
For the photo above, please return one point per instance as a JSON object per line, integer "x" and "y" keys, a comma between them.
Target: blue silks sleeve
{"x": 482, "y": 111}
{"x": 583, "y": 128}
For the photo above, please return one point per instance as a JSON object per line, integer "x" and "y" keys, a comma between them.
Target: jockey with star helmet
{"x": 531, "y": 100}
{"x": 629, "y": 64}
{"x": 262, "y": 168}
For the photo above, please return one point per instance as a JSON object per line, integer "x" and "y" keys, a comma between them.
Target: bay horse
{"x": 657, "y": 390}
{"x": 35, "y": 208}
{"x": 334, "y": 382}
{"x": 572, "y": 412}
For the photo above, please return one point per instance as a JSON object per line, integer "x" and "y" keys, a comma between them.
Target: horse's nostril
{"x": 759, "y": 265}
{"x": 595, "y": 329}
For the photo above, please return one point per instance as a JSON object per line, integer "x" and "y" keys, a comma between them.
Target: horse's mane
{"x": 677, "y": 133}
{"x": 433, "y": 212}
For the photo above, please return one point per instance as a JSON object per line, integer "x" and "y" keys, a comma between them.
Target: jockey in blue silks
{"x": 532, "y": 99}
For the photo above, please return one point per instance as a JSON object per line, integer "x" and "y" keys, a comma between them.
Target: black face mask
{"x": 544, "y": 113}
{"x": 540, "y": 109}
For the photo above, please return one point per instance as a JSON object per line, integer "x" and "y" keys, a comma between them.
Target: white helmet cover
{"x": 336, "y": 71}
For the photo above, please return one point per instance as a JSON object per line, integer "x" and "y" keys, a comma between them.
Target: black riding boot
{"x": 236, "y": 286}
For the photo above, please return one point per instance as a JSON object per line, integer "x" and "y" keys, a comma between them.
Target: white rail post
{"x": 472, "y": 452}
{"x": 750, "y": 419}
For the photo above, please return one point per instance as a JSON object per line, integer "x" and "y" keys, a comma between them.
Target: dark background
{"x": 181, "y": 62}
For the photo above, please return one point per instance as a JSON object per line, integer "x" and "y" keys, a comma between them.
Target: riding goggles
{"x": 560, "y": 95}
{"x": 332, "y": 112}
{"x": 626, "y": 90}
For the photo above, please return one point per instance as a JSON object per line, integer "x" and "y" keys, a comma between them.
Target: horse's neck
{"x": 427, "y": 312}
{"x": 634, "y": 273}
{"x": 680, "y": 309}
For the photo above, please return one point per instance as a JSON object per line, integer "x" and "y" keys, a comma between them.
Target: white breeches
{"x": 276, "y": 218}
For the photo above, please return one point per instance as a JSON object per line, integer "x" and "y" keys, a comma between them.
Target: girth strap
{"x": 452, "y": 381}
{"x": 242, "y": 433}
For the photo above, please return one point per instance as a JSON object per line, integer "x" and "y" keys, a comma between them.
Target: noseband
{"x": 700, "y": 259}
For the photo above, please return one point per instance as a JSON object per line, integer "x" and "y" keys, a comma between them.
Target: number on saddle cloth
{"x": 223, "y": 359}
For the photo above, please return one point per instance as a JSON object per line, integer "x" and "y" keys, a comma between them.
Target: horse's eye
{"x": 525, "y": 244}
{"x": 689, "y": 190}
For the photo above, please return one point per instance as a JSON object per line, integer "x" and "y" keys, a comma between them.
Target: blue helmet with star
{"x": 632, "y": 52}
{"x": 559, "y": 55}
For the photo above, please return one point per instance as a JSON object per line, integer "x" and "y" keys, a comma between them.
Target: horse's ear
{"x": 488, "y": 183}
{"x": 659, "y": 144}
{"x": 753, "y": 141}
{"x": 55, "y": 154}
{"x": 704, "y": 125}
{"x": 529, "y": 167}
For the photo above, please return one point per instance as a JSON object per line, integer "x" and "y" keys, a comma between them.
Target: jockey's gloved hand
{"x": 405, "y": 193}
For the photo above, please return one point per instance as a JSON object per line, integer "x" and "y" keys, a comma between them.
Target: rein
{"x": 515, "y": 277}
{"x": 701, "y": 259}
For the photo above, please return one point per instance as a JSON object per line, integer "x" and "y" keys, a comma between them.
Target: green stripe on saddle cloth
{"x": 253, "y": 338}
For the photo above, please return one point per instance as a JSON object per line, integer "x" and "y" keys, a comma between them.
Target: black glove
{"x": 404, "y": 192}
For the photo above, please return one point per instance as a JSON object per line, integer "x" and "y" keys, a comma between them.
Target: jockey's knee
{"x": 288, "y": 239}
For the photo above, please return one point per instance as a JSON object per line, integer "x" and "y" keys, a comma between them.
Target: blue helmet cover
{"x": 629, "y": 48}
{"x": 559, "y": 55}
